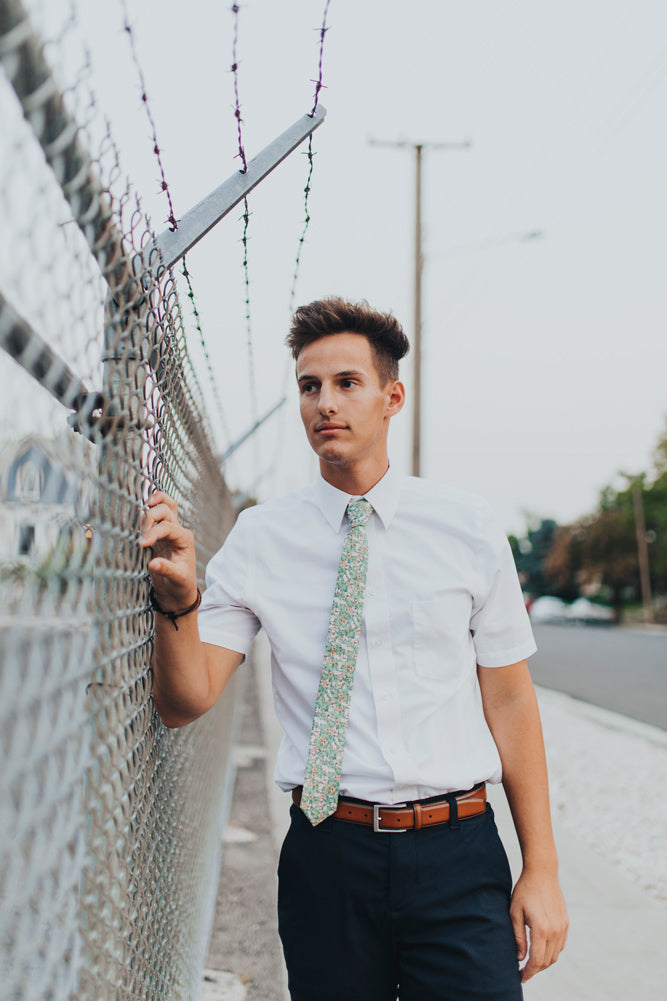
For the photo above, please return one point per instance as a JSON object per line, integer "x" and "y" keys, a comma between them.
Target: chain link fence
{"x": 110, "y": 825}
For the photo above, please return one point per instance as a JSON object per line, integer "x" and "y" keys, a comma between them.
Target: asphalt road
{"x": 620, "y": 669}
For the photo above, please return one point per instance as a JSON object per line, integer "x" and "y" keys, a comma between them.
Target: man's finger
{"x": 161, "y": 567}
{"x": 537, "y": 956}
{"x": 159, "y": 497}
{"x": 519, "y": 927}
{"x": 169, "y": 531}
{"x": 160, "y": 512}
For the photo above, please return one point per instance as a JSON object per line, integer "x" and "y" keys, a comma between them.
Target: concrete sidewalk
{"x": 617, "y": 945}
{"x": 617, "y": 948}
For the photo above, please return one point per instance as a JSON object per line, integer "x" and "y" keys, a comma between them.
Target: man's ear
{"x": 395, "y": 397}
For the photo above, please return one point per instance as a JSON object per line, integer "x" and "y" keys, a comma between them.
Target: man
{"x": 410, "y": 689}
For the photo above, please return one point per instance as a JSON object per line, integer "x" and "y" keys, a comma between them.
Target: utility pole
{"x": 418, "y": 269}
{"x": 636, "y": 485}
{"x": 642, "y": 551}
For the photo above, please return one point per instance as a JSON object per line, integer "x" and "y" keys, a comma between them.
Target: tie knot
{"x": 358, "y": 512}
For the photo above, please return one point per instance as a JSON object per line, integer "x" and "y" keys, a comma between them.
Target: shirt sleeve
{"x": 499, "y": 624}
{"x": 225, "y": 616}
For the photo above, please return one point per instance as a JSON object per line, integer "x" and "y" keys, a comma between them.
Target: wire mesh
{"x": 110, "y": 825}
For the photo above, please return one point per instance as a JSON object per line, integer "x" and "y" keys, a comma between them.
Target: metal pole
{"x": 642, "y": 553}
{"x": 417, "y": 332}
{"x": 237, "y": 444}
{"x": 419, "y": 268}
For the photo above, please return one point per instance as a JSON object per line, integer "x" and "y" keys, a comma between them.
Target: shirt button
{"x": 371, "y": 592}
{"x": 378, "y": 642}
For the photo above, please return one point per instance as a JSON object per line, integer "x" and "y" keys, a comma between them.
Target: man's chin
{"x": 331, "y": 453}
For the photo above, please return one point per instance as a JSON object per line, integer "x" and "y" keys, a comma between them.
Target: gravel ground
{"x": 608, "y": 776}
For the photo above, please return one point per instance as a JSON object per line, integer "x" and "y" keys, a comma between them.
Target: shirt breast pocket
{"x": 441, "y": 638}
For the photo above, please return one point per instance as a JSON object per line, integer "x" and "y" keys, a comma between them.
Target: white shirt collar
{"x": 383, "y": 498}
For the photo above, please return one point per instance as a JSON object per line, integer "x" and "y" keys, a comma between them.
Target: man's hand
{"x": 538, "y": 906}
{"x": 173, "y": 566}
{"x": 188, "y": 675}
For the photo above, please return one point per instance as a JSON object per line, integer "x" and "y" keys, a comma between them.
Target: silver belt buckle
{"x": 376, "y": 818}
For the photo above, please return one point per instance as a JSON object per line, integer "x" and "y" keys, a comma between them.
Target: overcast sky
{"x": 544, "y": 359}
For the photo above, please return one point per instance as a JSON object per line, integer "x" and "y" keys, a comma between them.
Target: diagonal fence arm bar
{"x": 27, "y": 348}
{"x": 174, "y": 244}
{"x": 250, "y": 432}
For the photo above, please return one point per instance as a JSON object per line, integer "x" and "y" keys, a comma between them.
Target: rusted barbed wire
{"x": 318, "y": 82}
{"x": 235, "y": 70}
{"x": 171, "y": 218}
{"x": 173, "y": 222}
{"x": 319, "y": 85}
{"x": 323, "y": 29}
{"x": 235, "y": 9}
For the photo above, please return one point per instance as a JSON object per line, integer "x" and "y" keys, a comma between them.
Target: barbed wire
{"x": 173, "y": 222}
{"x": 216, "y": 395}
{"x": 306, "y": 223}
{"x": 235, "y": 70}
{"x": 127, "y": 27}
{"x": 287, "y": 372}
{"x": 319, "y": 85}
{"x": 254, "y": 406}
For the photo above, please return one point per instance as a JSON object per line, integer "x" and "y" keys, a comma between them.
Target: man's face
{"x": 344, "y": 408}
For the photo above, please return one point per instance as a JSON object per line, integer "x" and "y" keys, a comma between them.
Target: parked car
{"x": 587, "y": 612}
{"x": 548, "y": 609}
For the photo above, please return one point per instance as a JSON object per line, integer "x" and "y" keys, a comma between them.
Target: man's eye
{"x": 347, "y": 383}
{"x": 307, "y": 387}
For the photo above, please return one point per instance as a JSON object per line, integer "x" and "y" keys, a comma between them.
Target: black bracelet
{"x": 172, "y": 616}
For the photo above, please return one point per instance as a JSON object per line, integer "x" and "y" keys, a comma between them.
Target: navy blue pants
{"x": 422, "y": 915}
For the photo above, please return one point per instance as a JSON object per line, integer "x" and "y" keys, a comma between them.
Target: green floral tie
{"x": 332, "y": 707}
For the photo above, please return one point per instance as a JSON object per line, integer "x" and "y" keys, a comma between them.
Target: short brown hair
{"x": 334, "y": 315}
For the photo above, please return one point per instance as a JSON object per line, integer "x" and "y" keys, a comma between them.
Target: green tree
{"x": 530, "y": 554}
{"x": 597, "y": 554}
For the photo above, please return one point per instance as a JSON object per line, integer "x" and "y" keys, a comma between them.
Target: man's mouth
{"x": 330, "y": 427}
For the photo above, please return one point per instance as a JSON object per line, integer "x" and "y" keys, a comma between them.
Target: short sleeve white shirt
{"x": 442, "y": 596}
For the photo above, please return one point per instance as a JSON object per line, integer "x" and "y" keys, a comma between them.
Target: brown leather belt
{"x": 400, "y": 817}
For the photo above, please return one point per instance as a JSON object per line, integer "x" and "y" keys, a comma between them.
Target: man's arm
{"x": 511, "y": 711}
{"x": 188, "y": 675}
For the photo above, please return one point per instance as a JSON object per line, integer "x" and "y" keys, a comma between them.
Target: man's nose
{"x": 327, "y": 401}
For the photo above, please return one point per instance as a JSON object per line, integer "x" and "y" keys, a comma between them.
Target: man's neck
{"x": 354, "y": 480}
